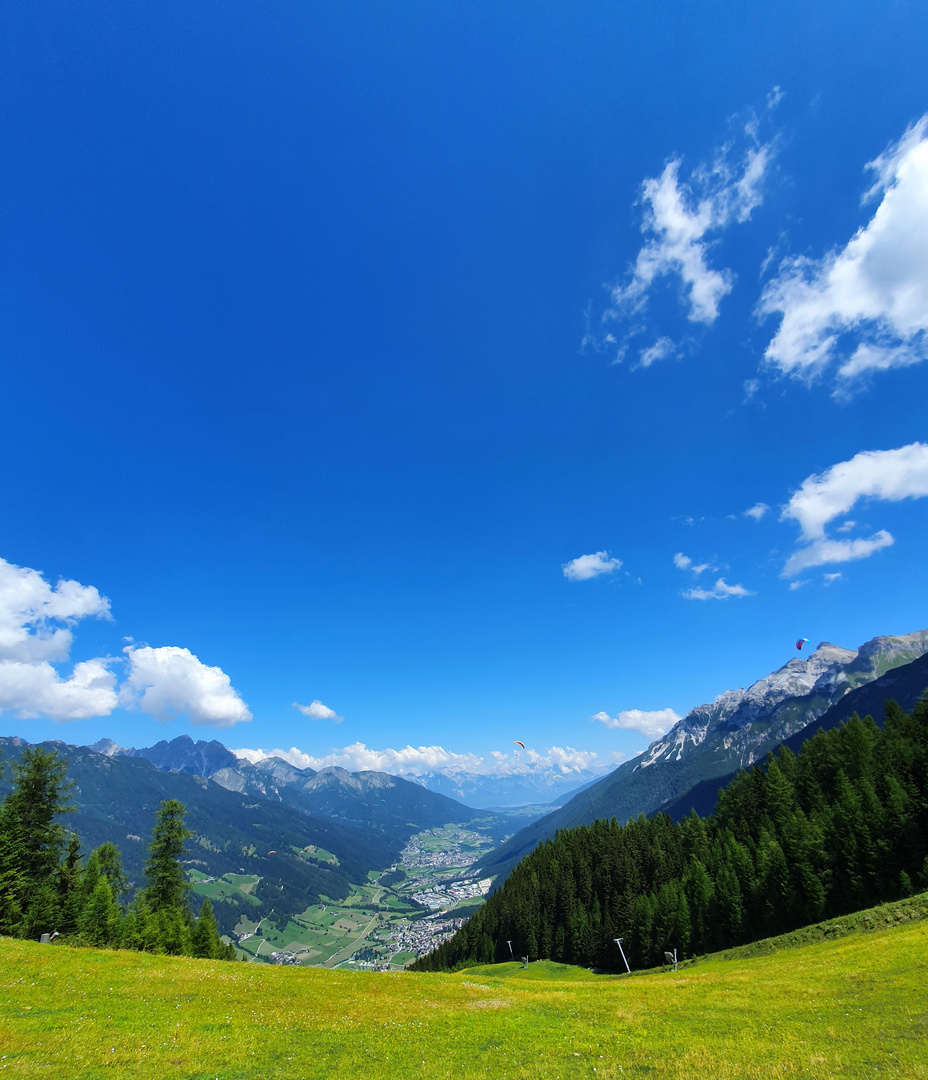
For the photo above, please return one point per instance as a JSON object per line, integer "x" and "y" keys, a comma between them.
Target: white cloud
{"x": 168, "y": 681}
{"x": 794, "y": 585}
{"x": 589, "y": 566}
{"x": 34, "y": 690}
{"x": 757, "y": 511}
{"x": 416, "y": 760}
{"x": 830, "y": 579}
{"x": 684, "y": 562}
{"x": 660, "y": 350}
{"x": 888, "y": 475}
{"x": 824, "y": 552}
{"x": 315, "y": 710}
{"x": 719, "y": 591}
{"x": 872, "y": 295}
{"x": 30, "y": 641}
{"x": 29, "y": 606}
{"x": 680, "y": 218}
{"x": 651, "y": 724}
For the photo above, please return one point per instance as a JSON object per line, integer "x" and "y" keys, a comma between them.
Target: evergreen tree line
{"x": 838, "y": 827}
{"x": 46, "y": 887}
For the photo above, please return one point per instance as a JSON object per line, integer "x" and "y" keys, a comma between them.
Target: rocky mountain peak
{"x": 826, "y": 674}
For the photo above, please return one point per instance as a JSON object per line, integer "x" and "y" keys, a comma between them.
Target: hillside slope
{"x": 848, "y": 1007}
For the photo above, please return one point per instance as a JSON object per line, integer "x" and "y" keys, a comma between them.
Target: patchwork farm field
{"x": 851, "y": 1007}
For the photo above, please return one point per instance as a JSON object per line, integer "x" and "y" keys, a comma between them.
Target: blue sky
{"x": 460, "y": 373}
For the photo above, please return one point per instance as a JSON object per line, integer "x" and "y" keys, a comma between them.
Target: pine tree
{"x": 205, "y": 939}
{"x": 39, "y": 795}
{"x": 69, "y": 887}
{"x": 109, "y": 860}
{"x": 100, "y": 917}
{"x": 13, "y": 889}
{"x": 167, "y": 887}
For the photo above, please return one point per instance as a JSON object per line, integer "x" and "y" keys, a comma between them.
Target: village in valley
{"x": 403, "y": 911}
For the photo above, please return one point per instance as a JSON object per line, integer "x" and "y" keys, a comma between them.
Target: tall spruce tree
{"x": 32, "y": 841}
{"x": 167, "y": 887}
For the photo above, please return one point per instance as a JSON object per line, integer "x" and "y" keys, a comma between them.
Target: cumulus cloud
{"x": 34, "y": 690}
{"x": 651, "y": 724}
{"x": 757, "y": 511}
{"x": 32, "y": 638}
{"x": 719, "y": 591}
{"x": 170, "y": 681}
{"x": 589, "y": 566}
{"x": 30, "y": 608}
{"x": 865, "y": 306}
{"x": 315, "y": 710}
{"x": 888, "y": 475}
{"x": 417, "y": 760}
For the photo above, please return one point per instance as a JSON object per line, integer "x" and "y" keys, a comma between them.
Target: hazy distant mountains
{"x": 739, "y": 728}
{"x": 529, "y": 784}
{"x": 532, "y": 784}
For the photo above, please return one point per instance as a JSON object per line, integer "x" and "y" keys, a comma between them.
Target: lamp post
{"x": 618, "y": 942}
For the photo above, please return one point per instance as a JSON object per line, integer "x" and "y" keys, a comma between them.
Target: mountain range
{"x": 523, "y": 785}
{"x": 304, "y": 835}
{"x": 239, "y": 810}
{"x": 714, "y": 741}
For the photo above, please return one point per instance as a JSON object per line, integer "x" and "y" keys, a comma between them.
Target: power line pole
{"x": 618, "y": 942}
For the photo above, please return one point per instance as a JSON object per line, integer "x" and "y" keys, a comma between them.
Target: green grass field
{"x": 851, "y": 1006}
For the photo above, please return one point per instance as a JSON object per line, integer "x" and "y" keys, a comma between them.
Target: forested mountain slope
{"x": 117, "y": 799}
{"x": 713, "y": 741}
{"x": 904, "y": 685}
{"x": 838, "y": 827}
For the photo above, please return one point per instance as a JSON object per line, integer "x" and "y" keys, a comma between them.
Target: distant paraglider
{"x": 801, "y": 642}
{"x": 272, "y": 853}
{"x": 516, "y": 742}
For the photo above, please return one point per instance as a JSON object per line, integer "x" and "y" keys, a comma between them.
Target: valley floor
{"x": 403, "y": 911}
{"x": 851, "y": 1007}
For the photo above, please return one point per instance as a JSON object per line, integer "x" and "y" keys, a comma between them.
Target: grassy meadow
{"x": 841, "y": 1006}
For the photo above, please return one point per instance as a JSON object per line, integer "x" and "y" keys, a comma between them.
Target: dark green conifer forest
{"x": 840, "y": 826}
{"x": 46, "y": 887}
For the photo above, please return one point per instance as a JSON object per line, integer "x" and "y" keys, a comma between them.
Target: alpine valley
{"x": 331, "y": 867}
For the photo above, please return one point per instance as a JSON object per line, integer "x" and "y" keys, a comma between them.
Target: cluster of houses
{"x": 426, "y": 934}
{"x": 443, "y": 896}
